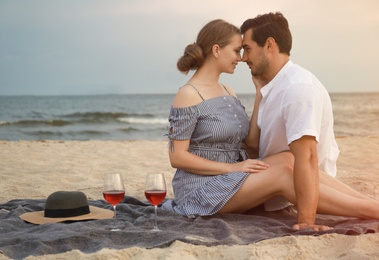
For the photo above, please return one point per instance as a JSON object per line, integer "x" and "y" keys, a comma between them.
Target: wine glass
{"x": 113, "y": 192}
{"x": 155, "y": 192}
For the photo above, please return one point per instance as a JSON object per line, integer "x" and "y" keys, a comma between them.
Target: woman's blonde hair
{"x": 215, "y": 32}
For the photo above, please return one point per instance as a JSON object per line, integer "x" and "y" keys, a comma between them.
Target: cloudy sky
{"x": 131, "y": 46}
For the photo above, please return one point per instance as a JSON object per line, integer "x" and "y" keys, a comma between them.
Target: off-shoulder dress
{"x": 216, "y": 128}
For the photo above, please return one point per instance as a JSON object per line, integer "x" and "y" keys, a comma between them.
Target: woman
{"x": 208, "y": 125}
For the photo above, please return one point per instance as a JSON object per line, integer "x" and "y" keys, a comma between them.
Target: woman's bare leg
{"x": 287, "y": 158}
{"x": 335, "y": 202}
{"x": 278, "y": 180}
{"x": 340, "y": 186}
{"x": 260, "y": 187}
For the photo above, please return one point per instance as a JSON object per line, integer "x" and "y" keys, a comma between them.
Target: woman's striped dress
{"x": 216, "y": 128}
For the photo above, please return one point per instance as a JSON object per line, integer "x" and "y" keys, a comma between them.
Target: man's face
{"x": 254, "y": 55}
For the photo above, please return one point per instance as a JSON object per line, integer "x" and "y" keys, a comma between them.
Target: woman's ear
{"x": 216, "y": 50}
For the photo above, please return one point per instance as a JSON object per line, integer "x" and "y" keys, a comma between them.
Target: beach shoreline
{"x": 35, "y": 169}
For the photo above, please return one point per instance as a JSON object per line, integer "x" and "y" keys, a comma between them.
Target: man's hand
{"x": 313, "y": 227}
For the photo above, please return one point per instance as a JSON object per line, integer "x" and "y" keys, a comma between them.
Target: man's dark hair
{"x": 273, "y": 25}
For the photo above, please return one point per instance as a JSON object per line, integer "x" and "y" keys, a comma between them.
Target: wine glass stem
{"x": 156, "y": 223}
{"x": 114, "y": 210}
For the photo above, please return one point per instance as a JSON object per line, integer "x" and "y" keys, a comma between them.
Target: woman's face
{"x": 230, "y": 55}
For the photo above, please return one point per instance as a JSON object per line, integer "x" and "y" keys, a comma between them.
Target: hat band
{"x": 64, "y": 213}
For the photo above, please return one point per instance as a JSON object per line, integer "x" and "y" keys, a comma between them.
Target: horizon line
{"x": 167, "y": 93}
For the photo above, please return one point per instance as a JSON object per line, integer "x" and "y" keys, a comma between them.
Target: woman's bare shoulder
{"x": 187, "y": 96}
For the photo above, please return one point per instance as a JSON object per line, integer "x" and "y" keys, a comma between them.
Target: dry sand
{"x": 35, "y": 169}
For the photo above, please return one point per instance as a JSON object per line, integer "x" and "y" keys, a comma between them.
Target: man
{"x": 293, "y": 111}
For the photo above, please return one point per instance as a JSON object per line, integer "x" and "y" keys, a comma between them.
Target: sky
{"x": 91, "y": 47}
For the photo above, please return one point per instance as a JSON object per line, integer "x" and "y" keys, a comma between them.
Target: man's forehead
{"x": 246, "y": 39}
{"x": 248, "y": 33}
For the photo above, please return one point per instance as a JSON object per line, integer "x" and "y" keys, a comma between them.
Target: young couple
{"x": 291, "y": 127}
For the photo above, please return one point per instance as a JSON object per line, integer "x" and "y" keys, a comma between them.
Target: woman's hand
{"x": 249, "y": 165}
{"x": 258, "y": 83}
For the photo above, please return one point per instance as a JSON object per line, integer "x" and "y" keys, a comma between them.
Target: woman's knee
{"x": 286, "y": 158}
{"x": 283, "y": 174}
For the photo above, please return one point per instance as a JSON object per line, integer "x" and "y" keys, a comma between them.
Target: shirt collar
{"x": 278, "y": 77}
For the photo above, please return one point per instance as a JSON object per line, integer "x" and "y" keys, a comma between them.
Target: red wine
{"x": 114, "y": 196}
{"x": 155, "y": 196}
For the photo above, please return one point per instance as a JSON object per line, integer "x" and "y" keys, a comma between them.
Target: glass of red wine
{"x": 113, "y": 191}
{"x": 155, "y": 192}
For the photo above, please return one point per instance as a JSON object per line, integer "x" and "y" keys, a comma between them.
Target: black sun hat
{"x": 66, "y": 206}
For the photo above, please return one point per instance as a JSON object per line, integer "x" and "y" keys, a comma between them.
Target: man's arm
{"x": 306, "y": 181}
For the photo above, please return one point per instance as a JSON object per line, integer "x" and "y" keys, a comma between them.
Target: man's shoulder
{"x": 300, "y": 80}
{"x": 297, "y": 74}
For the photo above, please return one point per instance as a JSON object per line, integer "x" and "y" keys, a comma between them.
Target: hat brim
{"x": 39, "y": 218}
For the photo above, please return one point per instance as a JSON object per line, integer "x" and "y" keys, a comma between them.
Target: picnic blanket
{"x": 19, "y": 239}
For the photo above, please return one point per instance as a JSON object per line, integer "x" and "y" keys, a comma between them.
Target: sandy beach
{"x": 35, "y": 169}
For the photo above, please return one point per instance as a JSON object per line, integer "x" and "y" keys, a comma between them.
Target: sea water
{"x": 142, "y": 116}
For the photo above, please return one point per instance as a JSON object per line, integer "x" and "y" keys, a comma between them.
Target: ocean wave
{"x": 101, "y": 117}
{"x": 87, "y": 118}
{"x": 31, "y": 123}
{"x": 141, "y": 120}
{"x": 130, "y": 129}
{"x": 45, "y": 133}
{"x": 79, "y": 115}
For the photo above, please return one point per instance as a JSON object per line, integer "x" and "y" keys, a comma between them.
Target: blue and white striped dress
{"x": 216, "y": 128}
